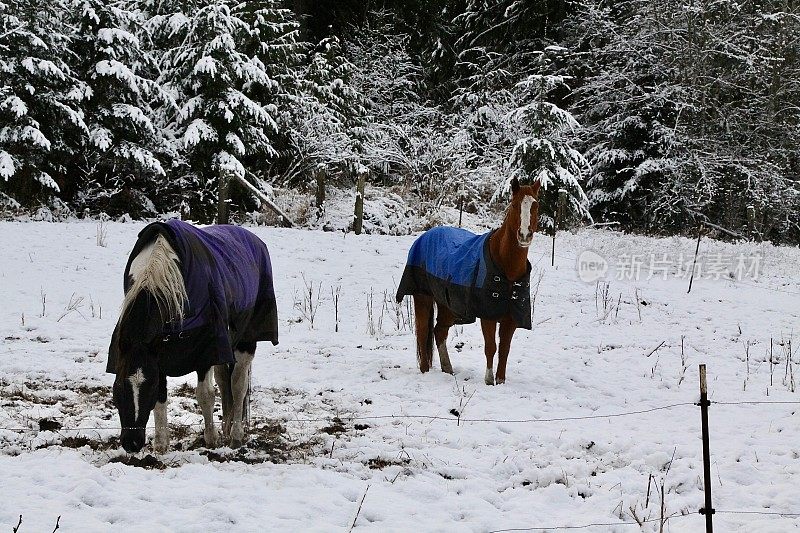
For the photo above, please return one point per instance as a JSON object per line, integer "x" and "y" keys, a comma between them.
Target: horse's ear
{"x": 535, "y": 187}
{"x": 514, "y": 185}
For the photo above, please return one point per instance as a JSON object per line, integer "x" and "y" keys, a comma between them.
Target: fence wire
{"x": 593, "y": 524}
{"x": 452, "y": 418}
{"x": 757, "y": 402}
{"x": 766, "y": 513}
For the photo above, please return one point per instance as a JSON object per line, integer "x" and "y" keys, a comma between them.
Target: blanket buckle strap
{"x": 170, "y": 336}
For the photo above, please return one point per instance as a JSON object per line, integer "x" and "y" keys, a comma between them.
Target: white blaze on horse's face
{"x": 525, "y": 236}
{"x": 136, "y": 380}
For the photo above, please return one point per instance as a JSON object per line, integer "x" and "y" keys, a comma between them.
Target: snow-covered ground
{"x": 587, "y": 355}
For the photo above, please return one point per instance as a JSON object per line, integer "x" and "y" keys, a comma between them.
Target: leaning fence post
{"x": 358, "y": 223}
{"x": 696, "y": 251}
{"x": 708, "y": 509}
{"x": 222, "y": 205}
{"x": 460, "y": 208}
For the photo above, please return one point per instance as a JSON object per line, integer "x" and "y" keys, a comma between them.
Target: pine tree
{"x": 273, "y": 41}
{"x": 628, "y": 109}
{"x": 544, "y": 152}
{"x": 41, "y": 123}
{"x": 331, "y": 121}
{"x": 681, "y": 107}
{"x": 218, "y": 123}
{"x": 124, "y": 144}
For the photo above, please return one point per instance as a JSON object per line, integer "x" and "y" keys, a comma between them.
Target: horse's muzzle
{"x": 132, "y": 440}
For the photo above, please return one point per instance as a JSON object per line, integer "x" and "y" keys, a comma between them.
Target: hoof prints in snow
{"x": 52, "y": 414}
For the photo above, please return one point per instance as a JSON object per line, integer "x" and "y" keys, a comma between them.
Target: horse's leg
{"x": 205, "y": 398}
{"x": 444, "y": 320}
{"x": 161, "y": 442}
{"x": 489, "y": 329}
{"x": 240, "y": 382}
{"x": 423, "y": 317}
{"x": 507, "y": 328}
{"x": 222, "y": 375}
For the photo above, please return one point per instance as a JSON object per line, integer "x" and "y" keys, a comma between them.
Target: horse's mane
{"x": 156, "y": 271}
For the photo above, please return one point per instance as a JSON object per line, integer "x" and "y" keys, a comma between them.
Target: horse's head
{"x": 135, "y": 396}
{"x": 136, "y": 387}
{"x": 523, "y": 213}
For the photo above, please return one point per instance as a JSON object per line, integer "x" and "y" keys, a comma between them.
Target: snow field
{"x": 430, "y": 475}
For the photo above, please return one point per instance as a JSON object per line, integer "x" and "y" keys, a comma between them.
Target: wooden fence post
{"x": 751, "y": 221}
{"x": 460, "y": 209}
{"x": 559, "y": 215}
{"x": 319, "y": 176}
{"x": 708, "y": 509}
{"x": 358, "y": 216}
{"x": 222, "y": 200}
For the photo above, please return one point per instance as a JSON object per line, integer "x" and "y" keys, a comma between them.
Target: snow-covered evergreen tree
{"x": 405, "y": 136}
{"x": 274, "y": 42}
{"x": 332, "y": 123}
{"x": 218, "y": 123}
{"x": 123, "y": 142}
{"x": 41, "y": 122}
{"x": 545, "y": 153}
{"x": 678, "y": 105}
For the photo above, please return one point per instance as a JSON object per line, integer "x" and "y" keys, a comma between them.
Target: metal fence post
{"x": 708, "y": 509}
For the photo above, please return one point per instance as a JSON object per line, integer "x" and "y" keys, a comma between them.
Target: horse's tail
{"x": 156, "y": 271}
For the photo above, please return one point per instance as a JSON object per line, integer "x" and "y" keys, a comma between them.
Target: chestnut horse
{"x": 503, "y": 298}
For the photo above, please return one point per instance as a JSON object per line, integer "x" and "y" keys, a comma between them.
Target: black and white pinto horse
{"x": 195, "y": 299}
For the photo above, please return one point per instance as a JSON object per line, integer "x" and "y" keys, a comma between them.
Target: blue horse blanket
{"x": 455, "y": 267}
{"x": 231, "y": 299}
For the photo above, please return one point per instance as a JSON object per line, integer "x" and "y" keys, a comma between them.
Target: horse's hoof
{"x": 237, "y": 435}
{"x": 447, "y": 369}
{"x": 489, "y": 378}
{"x": 499, "y": 381}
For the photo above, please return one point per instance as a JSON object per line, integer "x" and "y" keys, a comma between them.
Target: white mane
{"x": 156, "y": 270}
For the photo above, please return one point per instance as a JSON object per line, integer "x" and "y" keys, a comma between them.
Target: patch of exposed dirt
{"x": 80, "y": 405}
{"x": 267, "y": 442}
{"x": 336, "y": 427}
{"x": 149, "y": 462}
{"x": 48, "y": 424}
{"x": 183, "y": 390}
{"x": 79, "y": 441}
{"x": 379, "y": 463}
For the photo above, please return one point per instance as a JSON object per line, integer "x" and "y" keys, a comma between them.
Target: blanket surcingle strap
{"x": 455, "y": 267}
{"x": 231, "y": 299}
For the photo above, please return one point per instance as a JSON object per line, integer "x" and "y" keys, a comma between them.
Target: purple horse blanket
{"x": 231, "y": 298}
